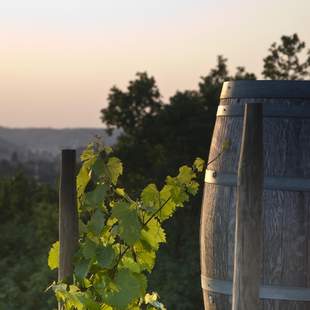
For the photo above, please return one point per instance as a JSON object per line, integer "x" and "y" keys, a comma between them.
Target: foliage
{"x": 119, "y": 236}
{"x": 128, "y": 110}
{"x": 283, "y": 61}
{"x": 28, "y": 213}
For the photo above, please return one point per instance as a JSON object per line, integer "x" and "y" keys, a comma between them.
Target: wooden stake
{"x": 68, "y": 218}
{"x": 248, "y": 234}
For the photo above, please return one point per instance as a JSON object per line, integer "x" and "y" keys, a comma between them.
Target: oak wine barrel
{"x": 285, "y": 271}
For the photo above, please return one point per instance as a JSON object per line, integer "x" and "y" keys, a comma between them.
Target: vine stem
{"x": 215, "y": 158}
{"x": 143, "y": 226}
{"x": 157, "y": 211}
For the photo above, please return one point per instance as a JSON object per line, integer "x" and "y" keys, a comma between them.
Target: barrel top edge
{"x": 266, "y": 89}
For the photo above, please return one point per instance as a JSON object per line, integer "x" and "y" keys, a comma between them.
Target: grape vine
{"x": 119, "y": 235}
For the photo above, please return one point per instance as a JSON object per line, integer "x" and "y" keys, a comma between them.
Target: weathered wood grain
{"x": 247, "y": 259}
{"x": 68, "y": 219}
{"x": 286, "y": 215}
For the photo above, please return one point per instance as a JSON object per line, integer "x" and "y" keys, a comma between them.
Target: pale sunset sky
{"x": 59, "y": 58}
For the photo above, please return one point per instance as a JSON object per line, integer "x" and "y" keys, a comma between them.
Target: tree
{"x": 283, "y": 61}
{"x": 241, "y": 74}
{"x": 128, "y": 110}
{"x": 210, "y": 85}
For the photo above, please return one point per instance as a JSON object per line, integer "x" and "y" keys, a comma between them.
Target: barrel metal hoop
{"x": 274, "y": 111}
{"x": 265, "y": 292}
{"x": 270, "y": 183}
{"x": 266, "y": 89}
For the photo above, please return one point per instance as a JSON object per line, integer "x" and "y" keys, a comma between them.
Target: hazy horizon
{"x": 54, "y": 128}
{"x": 60, "y": 58}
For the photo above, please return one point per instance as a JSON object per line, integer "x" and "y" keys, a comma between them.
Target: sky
{"x": 59, "y": 58}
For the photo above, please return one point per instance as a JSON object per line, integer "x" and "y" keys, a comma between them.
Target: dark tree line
{"x": 28, "y": 214}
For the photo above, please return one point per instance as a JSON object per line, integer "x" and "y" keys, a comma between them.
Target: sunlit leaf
{"x": 115, "y": 168}
{"x": 129, "y": 226}
{"x": 53, "y": 257}
{"x": 199, "y": 164}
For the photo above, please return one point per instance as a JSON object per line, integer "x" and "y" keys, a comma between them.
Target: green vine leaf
{"x": 82, "y": 267}
{"x": 152, "y": 299}
{"x": 150, "y": 198}
{"x": 129, "y": 263}
{"x": 145, "y": 256}
{"x": 168, "y": 203}
{"x": 153, "y": 234}
{"x": 96, "y": 223}
{"x": 89, "y": 249}
{"x": 88, "y": 153}
{"x": 53, "y": 256}
{"x": 115, "y": 168}
{"x": 96, "y": 196}
{"x": 130, "y": 286}
{"x": 83, "y": 179}
{"x": 105, "y": 256}
{"x": 186, "y": 174}
{"x": 199, "y": 164}
{"x": 129, "y": 226}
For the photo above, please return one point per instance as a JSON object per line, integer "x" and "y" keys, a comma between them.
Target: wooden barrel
{"x": 285, "y": 272}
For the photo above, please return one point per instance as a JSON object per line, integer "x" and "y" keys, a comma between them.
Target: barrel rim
{"x": 266, "y": 89}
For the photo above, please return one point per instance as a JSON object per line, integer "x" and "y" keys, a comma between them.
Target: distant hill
{"x": 7, "y": 148}
{"x": 46, "y": 143}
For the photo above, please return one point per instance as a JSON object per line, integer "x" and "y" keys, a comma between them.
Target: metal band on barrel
{"x": 271, "y": 183}
{"x": 266, "y": 89}
{"x": 274, "y": 111}
{"x": 266, "y": 291}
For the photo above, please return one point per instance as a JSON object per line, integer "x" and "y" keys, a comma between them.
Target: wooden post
{"x": 68, "y": 218}
{"x": 248, "y": 234}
